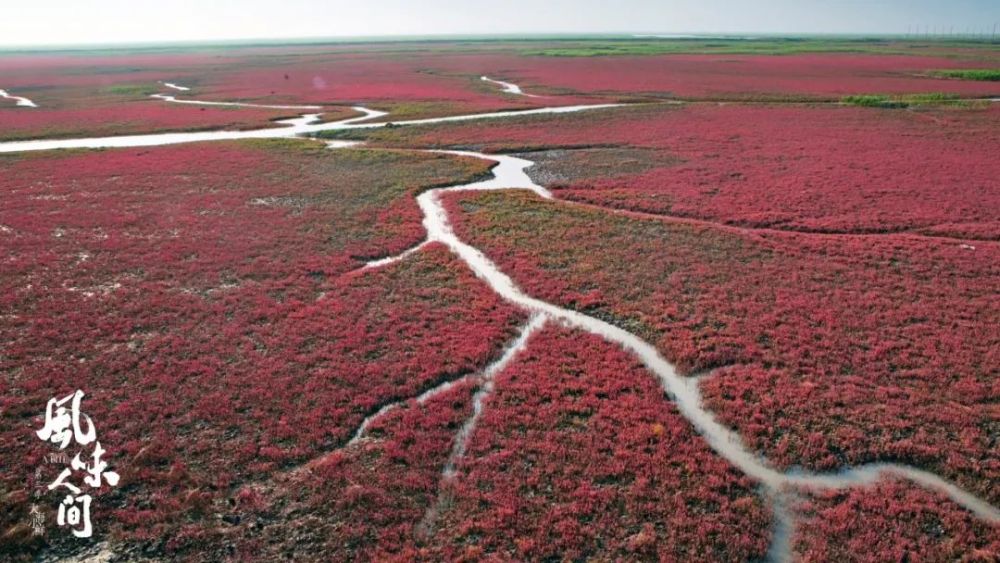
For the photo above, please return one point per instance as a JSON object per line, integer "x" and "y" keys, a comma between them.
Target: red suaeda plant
{"x": 202, "y": 298}
{"x": 842, "y": 349}
{"x": 576, "y": 455}
{"x": 444, "y": 75}
{"x": 366, "y": 501}
{"x": 579, "y": 455}
{"x": 892, "y": 521}
{"x": 822, "y": 76}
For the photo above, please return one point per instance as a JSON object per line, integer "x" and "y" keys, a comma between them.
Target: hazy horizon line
{"x": 536, "y": 36}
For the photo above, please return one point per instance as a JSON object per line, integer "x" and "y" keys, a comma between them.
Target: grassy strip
{"x": 133, "y": 90}
{"x": 983, "y": 74}
{"x": 904, "y": 101}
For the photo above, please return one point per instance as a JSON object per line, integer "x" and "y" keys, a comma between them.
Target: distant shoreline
{"x": 185, "y": 45}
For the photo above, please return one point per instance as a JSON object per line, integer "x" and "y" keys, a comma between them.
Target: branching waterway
{"x": 509, "y": 174}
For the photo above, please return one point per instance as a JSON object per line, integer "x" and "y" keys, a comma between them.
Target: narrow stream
{"x": 534, "y": 325}
{"x": 508, "y": 87}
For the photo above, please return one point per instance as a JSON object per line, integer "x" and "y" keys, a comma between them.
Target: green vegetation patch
{"x": 132, "y": 90}
{"x": 904, "y": 101}
{"x": 983, "y": 74}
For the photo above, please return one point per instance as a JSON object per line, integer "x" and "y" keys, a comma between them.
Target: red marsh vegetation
{"x": 197, "y": 292}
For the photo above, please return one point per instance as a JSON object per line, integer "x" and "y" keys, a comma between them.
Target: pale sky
{"x": 47, "y": 22}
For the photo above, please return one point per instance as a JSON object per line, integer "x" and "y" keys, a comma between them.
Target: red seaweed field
{"x": 549, "y": 299}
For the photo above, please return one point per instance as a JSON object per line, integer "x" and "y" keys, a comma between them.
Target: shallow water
{"x": 21, "y": 101}
{"x": 381, "y": 262}
{"x": 508, "y": 87}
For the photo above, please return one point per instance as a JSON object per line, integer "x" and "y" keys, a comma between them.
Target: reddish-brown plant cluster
{"x": 892, "y": 521}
